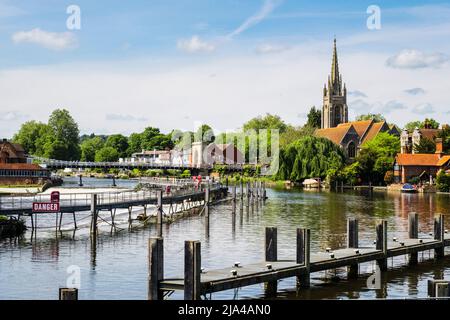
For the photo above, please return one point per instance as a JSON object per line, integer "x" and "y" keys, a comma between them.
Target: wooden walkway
{"x": 197, "y": 281}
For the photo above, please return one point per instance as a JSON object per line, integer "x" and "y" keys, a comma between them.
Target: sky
{"x": 120, "y": 66}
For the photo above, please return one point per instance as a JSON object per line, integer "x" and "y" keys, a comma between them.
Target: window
{"x": 351, "y": 150}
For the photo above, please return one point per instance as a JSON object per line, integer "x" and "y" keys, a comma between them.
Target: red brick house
{"x": 15, "y": 170}
{"x": 409, "y": 165}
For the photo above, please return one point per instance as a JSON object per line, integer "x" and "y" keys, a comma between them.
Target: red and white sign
{"x": 45, "y": 207}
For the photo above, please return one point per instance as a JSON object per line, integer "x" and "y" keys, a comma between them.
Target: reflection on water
{"x": 116, "y": 266}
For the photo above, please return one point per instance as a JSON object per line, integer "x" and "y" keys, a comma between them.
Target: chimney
{"x": 439, "y": 146}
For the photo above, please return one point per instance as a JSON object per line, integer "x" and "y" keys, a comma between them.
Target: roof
{"x": 421, "y": 159}
{"x": 21, "y": 166}
{"x": 429, "y": 133}
{"x": 373, "y": 131}
{"x": 335, "y": 134}
{"x": 360, "y": 126}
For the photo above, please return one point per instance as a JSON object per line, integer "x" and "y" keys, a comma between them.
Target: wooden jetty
{"x": 197, "y": 282}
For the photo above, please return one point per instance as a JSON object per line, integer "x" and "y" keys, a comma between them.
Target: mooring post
{"x": 242, "y": 189}
{"x": 264, "y": 195}
{"x": 304, "y": 256}
{"x": 352, "y": 242}
{"x": 80, "y": 183}
{"x": 207, "y": 201}
{"x": 439, "y": 235}
{"x": 68, "y": 294}
{"x": 271, "y": 255}
{"x": 114, "y": 181}
{"x": 248, "y": 193}
{"x": 159, "y": 217}
{"x": 381, "y": 243}
{"x": 234, "y": 199}
{"x": 438, "y": 288}
{"x": 155, "y": 267}
{"x": 192, "y": 270}
{"x": 94, "y": 213}
{"x": 413, "y": 231}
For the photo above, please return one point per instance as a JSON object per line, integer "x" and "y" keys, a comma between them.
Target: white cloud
{"x": 50, "y": 40}
{"x": 357, "y": 94}
{"x": 7, "y": 10}
{"x": 264, "y": 11}
{"x": 360, "y": 105}
{"x": 12, "y": 116}
{"x": 423, "y": 108}
{"x": 391, "y": 106}
{"x": 123, "y": 117}
{"x": 414, "y": 59}
{"x": 195, "y": 44}
{"x": 415, "y": 91}
{"x": 270, "y": 48}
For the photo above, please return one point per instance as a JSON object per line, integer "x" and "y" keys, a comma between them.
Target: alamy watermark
{"x": 374, "y": 19}
{"x": 252, "y": 147}
{"x": 73, "y": 22}
{"x": 74, "y": 277}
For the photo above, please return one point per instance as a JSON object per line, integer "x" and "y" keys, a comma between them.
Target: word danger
{"x": 45, "y": 207}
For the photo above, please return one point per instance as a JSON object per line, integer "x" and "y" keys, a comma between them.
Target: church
{"x": 335, "y": 125}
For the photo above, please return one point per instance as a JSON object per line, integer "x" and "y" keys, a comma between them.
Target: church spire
{"x": 335, "y": 76}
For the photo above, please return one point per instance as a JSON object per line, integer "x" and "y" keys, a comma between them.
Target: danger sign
{"x": 45, "y": 207}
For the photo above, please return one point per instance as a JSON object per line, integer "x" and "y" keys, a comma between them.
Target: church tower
{"x": 334, "y": 110}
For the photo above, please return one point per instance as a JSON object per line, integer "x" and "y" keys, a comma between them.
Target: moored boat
{"x": 408, "y": 188}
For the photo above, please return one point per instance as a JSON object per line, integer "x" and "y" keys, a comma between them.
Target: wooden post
{"x": 234, "y": 199}
{"x": 271, "y": 255}
{"x": 94, "y": 212}
{"x": 242, "y": 189}
{"x": 248, "y": 193}
{"x": 257, "y": 189}
{"x": 192, "y": 270}
{"x": 439, "y": 235}
{"x": 438, "y": 288}
{"x": 413, "y": 231}
{"x": 80, "y": 183}
{"x": 382, "y": 243}
{"x": 114, "y": 181}
{"x": 159, "y": 208}
{"x": 155, "y": 267}
{"x": 264, "y": 191}
{"x": 207, "y": 201}
{"x": 352, "y": 242}
{"x": 68, "y": 294}
{"x": 304, "y": 256}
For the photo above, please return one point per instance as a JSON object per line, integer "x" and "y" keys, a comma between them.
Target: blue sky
{"x": 177, "y": 63}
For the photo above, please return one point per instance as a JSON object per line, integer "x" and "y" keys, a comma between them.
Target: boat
{"x": 311, "y": 184}
{"x": 409, "y": 188}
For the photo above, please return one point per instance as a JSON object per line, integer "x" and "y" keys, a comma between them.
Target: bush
{"x": 414, "y": 180}
{"x": 186, "y": 174}
{"x": 3, "y": 218}
{"x": 443, "y": 182}
{"x": 389, "y": 177}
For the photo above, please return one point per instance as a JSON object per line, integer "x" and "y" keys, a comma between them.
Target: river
{"x": 117, "y": 268}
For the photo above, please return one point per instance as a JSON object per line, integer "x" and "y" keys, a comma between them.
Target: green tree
{"x": 309, "y": 157}
{"x": 89, "y": 148}
{"x": 443, "y": 181}
{"x": 28, "y": 135}
{"x": 377, "y": 157}
{"x": 269, "y": 121}
{"x": 106, "y": 154}
{"x": 427, "y": 123}
{"x": 377, "y": 117}
{"x": 66, "y": 136}
{"x": 118, "y": 142}
{"x": 444, "y": 134}
{"x": 204, "y": 133}
{"x": 314, "y": 118}
{"x": 134, "y": 143}
{"x": 425, "y": 145}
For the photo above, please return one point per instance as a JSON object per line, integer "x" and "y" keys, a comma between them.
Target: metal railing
{"x": 80, "y": 200}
